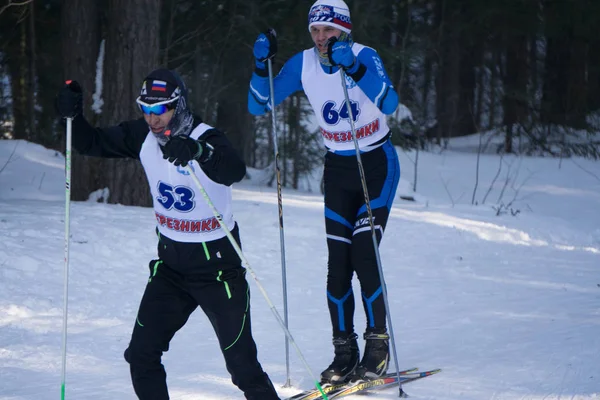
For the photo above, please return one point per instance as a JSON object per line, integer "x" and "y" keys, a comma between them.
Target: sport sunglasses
{"x": 157, "y": 108}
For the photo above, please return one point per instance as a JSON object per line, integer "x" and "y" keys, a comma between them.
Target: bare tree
{"x": 14, "y": 4}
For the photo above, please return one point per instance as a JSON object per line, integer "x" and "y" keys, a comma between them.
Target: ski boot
{"x": 345, "y": 360}
{"x": 374, "y": 363}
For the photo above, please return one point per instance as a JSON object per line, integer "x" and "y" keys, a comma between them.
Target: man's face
{"x": 320, "y": 35}
{"x": 158, "y": 123}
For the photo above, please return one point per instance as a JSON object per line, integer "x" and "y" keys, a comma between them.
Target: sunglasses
{"x": 157, "y": 108}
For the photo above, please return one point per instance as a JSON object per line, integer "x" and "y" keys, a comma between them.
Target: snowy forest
{"x": 525, "y": 70}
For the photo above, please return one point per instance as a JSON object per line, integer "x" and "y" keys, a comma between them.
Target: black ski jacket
{"x": 224, "y": 166}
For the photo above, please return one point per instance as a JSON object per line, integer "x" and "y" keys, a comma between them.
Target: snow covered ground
{"x": 508, "y": 306}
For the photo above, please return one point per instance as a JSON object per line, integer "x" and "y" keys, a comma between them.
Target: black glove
{"x": 69, "y": 101}
{"x": 180, "y": 150}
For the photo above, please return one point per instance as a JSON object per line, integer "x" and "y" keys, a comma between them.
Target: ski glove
{"x": 265, "y": 47}
{"x": 69, "y": 101}
{"x": 180, "y": 150}
{"x": 340, "y": 53}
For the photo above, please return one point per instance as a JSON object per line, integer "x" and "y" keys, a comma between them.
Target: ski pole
{"x": 371, "y": 223}
{"x": 239, "y": 252}
{"x": 66, "y": 267}
{"x": 272, "y": 32}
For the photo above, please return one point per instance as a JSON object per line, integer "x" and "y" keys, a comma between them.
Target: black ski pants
{"x": 167, "y": 303}
{"x": 349, "y": 237}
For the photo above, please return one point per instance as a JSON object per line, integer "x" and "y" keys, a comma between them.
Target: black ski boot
{"x": 374, "y": 363}
{"x": 345, "y": 360}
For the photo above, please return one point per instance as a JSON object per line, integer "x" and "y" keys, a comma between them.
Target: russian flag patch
{"x": 159, "y": 86}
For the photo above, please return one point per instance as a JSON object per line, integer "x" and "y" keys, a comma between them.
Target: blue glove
{"x": 340, "y": 53}
{"x": 265, "y": 47}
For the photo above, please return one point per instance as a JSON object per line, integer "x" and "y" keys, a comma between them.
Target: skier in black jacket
{"x": 196, "y": 265}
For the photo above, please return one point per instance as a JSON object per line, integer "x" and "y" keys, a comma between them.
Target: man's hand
{"x": 340, "y": 53}
{"x": 265, "y": 47}
{"x": 69, "y": 101}
{"x": 180, "y": 150}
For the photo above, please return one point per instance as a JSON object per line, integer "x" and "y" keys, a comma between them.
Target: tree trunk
{"x": 593, "y": 68}
{"x": 515, "y": 85}
{"x": 493, "y": 105}
{"x": 448, "y": 89}
{"x": 131, "y": 53}
{"x": 32, "y": 90}
{"x": 17, "y": 68}
{"x": 556, "y": 66}
{"x": 232, "y": 110}
{"x": 80, "y": 43}
{"x": 576, "y": 107}
{"x": 48, "y": 66}
{"x": 442, "y": 111}
{"x": 455, "y": 81}
{"x": 480, "y": 87}
{"x": 465, "y": 112}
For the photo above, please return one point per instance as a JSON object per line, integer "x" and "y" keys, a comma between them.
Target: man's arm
{"x": 288, "y": 81}
{"x": 121, "y": 141}
{"x": 220, "y": 162}
{"x": 372, "y": 78}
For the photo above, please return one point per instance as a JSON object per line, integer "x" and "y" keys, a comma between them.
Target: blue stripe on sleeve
{"x": 288, "y": 81}
{"x": 375, "y": 83}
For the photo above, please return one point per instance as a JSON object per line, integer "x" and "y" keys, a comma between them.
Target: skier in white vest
{"x": 196, "y": 265}
{"x": 316, "y": 72}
